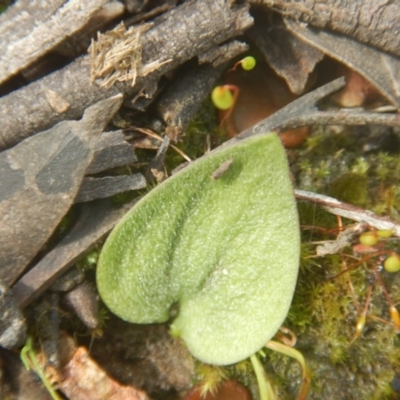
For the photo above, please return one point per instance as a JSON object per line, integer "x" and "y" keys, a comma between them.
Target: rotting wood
{"x": 45, "y": 34}
{"x": 96, "y": 220}
{"x": 179, "y": 35}
{"x": 43, "y": 175}
{"x": 365, "y": 20}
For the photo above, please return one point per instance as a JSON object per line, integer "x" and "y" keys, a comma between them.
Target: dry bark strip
{"x": 107, "y": 186}
{"x": 46, "y": 33}
{"x": 177, "y": 36}
{"x": 378, "y": 67}
{"x": 20, "y": 19}
{"x": 95, "y": 221}
{"x": 42, "y": 176}
{"x": 290, "y": 57}
{"x": 111, "y": 151}
{"x": 374, "y": 22}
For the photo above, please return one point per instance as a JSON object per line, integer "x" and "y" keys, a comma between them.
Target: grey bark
{"x": 42, "y": 176}
{"x": 177, "y": 36}
{"x": 378, "y": 67}
{"x": 374, "y": 22}
{"x": 111, "y": 151}
{"x": 46, "y": 31}
{"x": 20, "y": 19}
{"x": 290, "y": 57}
{"x": 107, "y": 186}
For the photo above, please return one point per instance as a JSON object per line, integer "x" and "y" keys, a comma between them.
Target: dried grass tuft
{"x": 116, "y": 55}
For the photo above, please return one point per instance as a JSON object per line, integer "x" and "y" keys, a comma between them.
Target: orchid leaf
{"x": 215, "y": 253}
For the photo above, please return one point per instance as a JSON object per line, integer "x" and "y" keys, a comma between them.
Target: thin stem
{"x": 264, "y": 387}
{"x": 291, "y": 352}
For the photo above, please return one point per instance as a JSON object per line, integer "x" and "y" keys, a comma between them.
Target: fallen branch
{"x": 44, "y": 34}
{"x": 304, "y": 112}
{"x": 349, "y": 211}
{"x": 365, "y": 20}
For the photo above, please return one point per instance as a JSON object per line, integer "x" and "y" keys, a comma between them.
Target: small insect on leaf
{"x": 221, "y": 169}
{"x": 224, "y": 254}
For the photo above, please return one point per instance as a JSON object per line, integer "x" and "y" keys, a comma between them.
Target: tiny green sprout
{"x": 30, "y": 361}
{"x": 385, "y": 233}
{"x": 248, "y": 63}
{"x": 222, "y": 97}
{"x": 369, "y": 238}
{"x": 392, "y": 263}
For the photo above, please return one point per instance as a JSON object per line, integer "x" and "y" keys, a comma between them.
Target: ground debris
{"x": 83, "y": 379}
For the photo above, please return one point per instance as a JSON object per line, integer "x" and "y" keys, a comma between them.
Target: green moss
{"x": 351, "y": 188}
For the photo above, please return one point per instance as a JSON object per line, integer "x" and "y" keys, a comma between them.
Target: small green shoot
{"x": 223, "y": 97}
{"x": 247, "y": 63}
{"x": 30, "y": 361}
{"x": 291, "y": 352}
{"x": 264, "y": 387}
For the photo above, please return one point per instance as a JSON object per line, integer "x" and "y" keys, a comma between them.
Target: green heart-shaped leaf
{"x": 220, "y": 247}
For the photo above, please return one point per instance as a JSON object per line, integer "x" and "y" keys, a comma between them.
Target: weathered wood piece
{"x": 221, "y": 54}
{"x": 111, "y": 151}
{"x": 177, "y": 36}
{"x": 100, "y": 188}
{"x": 291, "y": 58}
{"x": 96, "y": 220}
{"x": 180, "y": 102}
{"x": 379, "y": 68}
{"x": 48, "y": 30}
{"x": 41, "y": 177}
{"x": 20, "y": 19}
{"x": 374, "y": 22}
